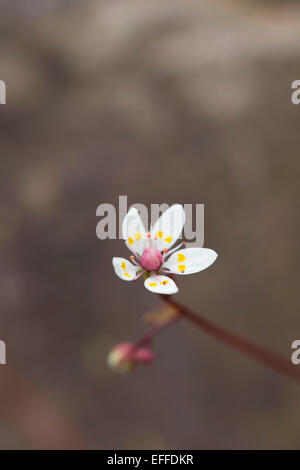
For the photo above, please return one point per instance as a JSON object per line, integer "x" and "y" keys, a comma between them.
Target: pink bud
{"x": 125, "y": 356}
{"x": 144, "y": 355}
{"x": 151, "y": 259}
{"x": 121, "y": 357}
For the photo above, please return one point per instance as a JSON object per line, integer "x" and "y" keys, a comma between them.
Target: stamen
{"x": 168, "y": 253}
{"x": 138, "y": 275}
{"x": 164, "y": 254}
{"x": 133, "y": 260}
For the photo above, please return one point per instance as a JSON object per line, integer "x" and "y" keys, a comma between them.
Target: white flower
{"x": 152, "y": 256}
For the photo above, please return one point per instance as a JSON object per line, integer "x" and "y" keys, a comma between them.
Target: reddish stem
{"x": 155, "y": 329}
{"x": 233, "y": 340}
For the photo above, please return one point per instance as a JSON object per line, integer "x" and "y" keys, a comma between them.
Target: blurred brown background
{"x": 164, "y": 101}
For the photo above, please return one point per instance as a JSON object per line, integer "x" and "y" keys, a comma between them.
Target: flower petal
{"x": 161, "y": 285}
{"x": 124, "y": 269}
{"x": 190, "y": 260}
{"x": 134, "y": 232}
{"x": 168, "y": 227}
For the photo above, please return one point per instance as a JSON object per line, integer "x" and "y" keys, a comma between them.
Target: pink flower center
{"x": 151, "y": 259}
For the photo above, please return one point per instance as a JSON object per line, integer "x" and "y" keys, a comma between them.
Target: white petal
{"x": 190, "y": 260}
{"x": 124, "y": 269}
{"x": 168, "y": 227}
{"x": 161, "y": 285}
{"x": 134, "y": 232}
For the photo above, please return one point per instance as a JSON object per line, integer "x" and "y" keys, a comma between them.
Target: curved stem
{"x": 237, "y": 342}
{"x": 146, "y": 339}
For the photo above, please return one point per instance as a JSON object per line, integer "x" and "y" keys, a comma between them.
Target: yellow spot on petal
{"x": 181, "y": 257}
{"x": 152, "y": 284}
{"x": 159, "y": 234}
{"x": 181, "y": 267}
{"x": 138, "y": 236}
{"x": 123, "y": 265}
{"x": 126, "y": 274}
{"x": 168, "y": 239}
{"x": 163, "y": 283}
{"x": 130, "y": 241}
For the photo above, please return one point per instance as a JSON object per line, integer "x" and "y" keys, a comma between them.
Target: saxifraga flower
{"x": 152, "y": 256}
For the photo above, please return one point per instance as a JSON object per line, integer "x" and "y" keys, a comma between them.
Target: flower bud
{"x": 121, "y": 357}
{"x": 125, "y": 356}
{"x": 144, "y": 355}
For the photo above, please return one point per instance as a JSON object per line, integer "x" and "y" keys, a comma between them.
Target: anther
{"x": 175, "y": 249}
{"x": 133, "y": 260}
